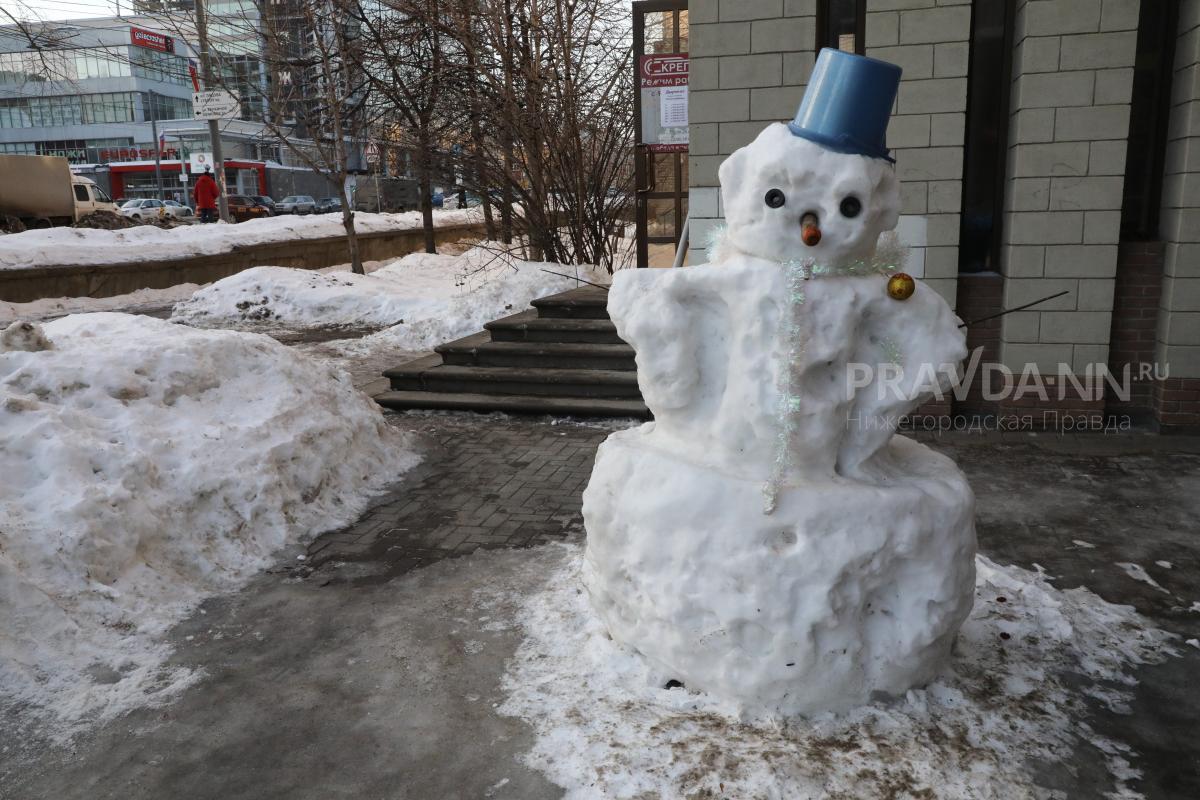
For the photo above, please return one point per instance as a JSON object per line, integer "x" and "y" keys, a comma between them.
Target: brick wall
{"x": 980, "y": 295}
{"x": 929, "y": 39}
{"x": 1072, "y": 85}
{"x": 1135, "y": 313}
{"x": 1178, "y": 333}
{"x": 750, "y": 61}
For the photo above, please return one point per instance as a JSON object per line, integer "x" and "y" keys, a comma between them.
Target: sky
{"x": 66, "y": 9}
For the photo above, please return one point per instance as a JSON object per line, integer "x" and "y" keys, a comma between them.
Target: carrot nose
{"x": 810, "y": 231}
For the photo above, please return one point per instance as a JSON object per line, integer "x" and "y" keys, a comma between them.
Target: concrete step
{"x": 588, "y": 302}
{"x": 478, "y": 350}
{"x": 430, "y": 375}
{"x": 529, "y": 327}
{"x": 514, "y": 404}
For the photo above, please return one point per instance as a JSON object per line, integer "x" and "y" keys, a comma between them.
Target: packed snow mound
{"x": 1029, "y": 660}
{"x": 68, "y": 246}
{"x": 428, "y": 298}
{"x": 146, "y": 465}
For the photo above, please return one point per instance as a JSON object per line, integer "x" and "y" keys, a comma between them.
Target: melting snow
{"x": 1136, "y": 572}
{"x": 607, "y": 729}
{"x": 147, "y": 465}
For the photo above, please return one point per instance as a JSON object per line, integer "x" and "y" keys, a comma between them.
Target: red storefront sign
{"x": 149, "y": 39}
{"x": 134, "y": 154}
{"x": 663, "y": 83}
{"x": 669, "y": 70}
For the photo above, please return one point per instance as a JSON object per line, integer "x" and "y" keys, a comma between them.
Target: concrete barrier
{"x": 107, "y": 280}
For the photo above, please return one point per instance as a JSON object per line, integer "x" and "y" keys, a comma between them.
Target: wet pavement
{"x": 370, "y": 669}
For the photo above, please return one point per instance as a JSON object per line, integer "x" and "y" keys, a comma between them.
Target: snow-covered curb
{"x": 607, "y": 729}
{"x": 425, "y": 298}
{"x": 67, "y": 246}
{"x": 146, "y": 465}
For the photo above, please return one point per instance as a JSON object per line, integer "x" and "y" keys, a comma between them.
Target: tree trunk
{"x": 351, "y": 235}
{"x": 425, "y": 181}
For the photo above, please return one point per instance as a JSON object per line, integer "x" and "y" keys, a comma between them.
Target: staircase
{"x": 562, "y": 357}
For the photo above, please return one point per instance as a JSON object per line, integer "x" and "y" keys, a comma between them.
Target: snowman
{"x": 768, "y": 538}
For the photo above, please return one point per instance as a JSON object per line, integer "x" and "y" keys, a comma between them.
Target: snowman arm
{"x": 655, "y": 311}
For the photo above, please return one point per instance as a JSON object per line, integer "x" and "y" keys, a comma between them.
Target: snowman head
{"x": 779, "y": 186}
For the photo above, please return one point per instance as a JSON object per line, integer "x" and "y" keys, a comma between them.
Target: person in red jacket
{"x": 207, "y": 193}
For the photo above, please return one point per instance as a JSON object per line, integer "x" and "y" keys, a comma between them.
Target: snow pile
{"x": 63, "y": 246}
{"x": 51, "y": 307}
{"x": 1025, "y": 663}
{"x": 429, "y": 298}
{"x": 145, "y": 466}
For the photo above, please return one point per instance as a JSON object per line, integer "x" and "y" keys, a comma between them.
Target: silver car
{"x": 296, "y": 204}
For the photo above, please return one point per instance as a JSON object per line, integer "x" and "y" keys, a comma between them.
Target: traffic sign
{"x": 216, "y": 104}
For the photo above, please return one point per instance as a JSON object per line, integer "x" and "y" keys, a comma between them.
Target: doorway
{"x": 660, "y": 46}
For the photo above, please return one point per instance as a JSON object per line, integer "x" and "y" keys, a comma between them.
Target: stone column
{"x": 1072, "y": 84}
{"x": 1177, "y": 398}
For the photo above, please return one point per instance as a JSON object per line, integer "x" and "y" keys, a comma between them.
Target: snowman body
{"x": 768, "y": 538}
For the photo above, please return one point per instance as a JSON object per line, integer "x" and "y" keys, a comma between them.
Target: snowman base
{"x": 848, "y": 590}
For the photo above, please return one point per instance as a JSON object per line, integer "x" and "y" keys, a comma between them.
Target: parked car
{"x": 438, "y": 199}
{"x": 329, "y": 205}
{"x": 143, "y": 208}
{"x": 178, "y": 210}
{"x": 242, "y": 208}
{"x": 296, "y": 204}
{"x": 266, "y": 201}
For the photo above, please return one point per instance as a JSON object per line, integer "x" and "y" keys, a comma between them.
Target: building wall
{"x": 750, "y": 63}
{"x": 1178, "y": 335}
{"x": 930, "y": 41}
{"x": 1072, "y": 86}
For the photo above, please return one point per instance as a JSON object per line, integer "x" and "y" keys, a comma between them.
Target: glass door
{"x": 660, "y": 41}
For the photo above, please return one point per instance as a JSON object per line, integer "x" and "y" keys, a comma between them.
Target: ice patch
{"x": 1136, "y": 572}
{"x": 1083, "y": 544}
{"x": 1164, "y": 564}
{"x": 606, "y": 727}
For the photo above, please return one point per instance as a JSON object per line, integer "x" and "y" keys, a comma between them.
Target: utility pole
{"x": 214, "y": 133}
{"x": 157, "y": 146}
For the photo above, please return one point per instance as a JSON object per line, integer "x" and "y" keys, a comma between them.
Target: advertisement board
{"x": 663, "y": 83}
{"x": 151, "y": 40}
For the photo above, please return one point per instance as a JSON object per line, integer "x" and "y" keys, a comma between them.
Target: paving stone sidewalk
{"x": 486, "y": 482}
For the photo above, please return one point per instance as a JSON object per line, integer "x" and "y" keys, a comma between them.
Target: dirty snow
{"x": 1164, "y": 564}
{"x": 1083, "y": 544}
{"x": 65, "y": 246}
{"x": 52, "y": 307}
{"x": 146, "y": 466}
{"x": 607, "y": 729}
{"x": 426, "y": 298}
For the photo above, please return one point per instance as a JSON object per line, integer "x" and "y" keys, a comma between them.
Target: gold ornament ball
{"x": 901, "y": 286}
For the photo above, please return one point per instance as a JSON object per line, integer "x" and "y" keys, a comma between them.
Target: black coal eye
{"x": 775, "y": 199}
{"x": 851, "y": 206}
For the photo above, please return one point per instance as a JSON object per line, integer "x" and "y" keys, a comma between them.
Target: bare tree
{"x": 556, "y": 85}
{"x": 314, "y": 102}
{"x": 408, "y": 61}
